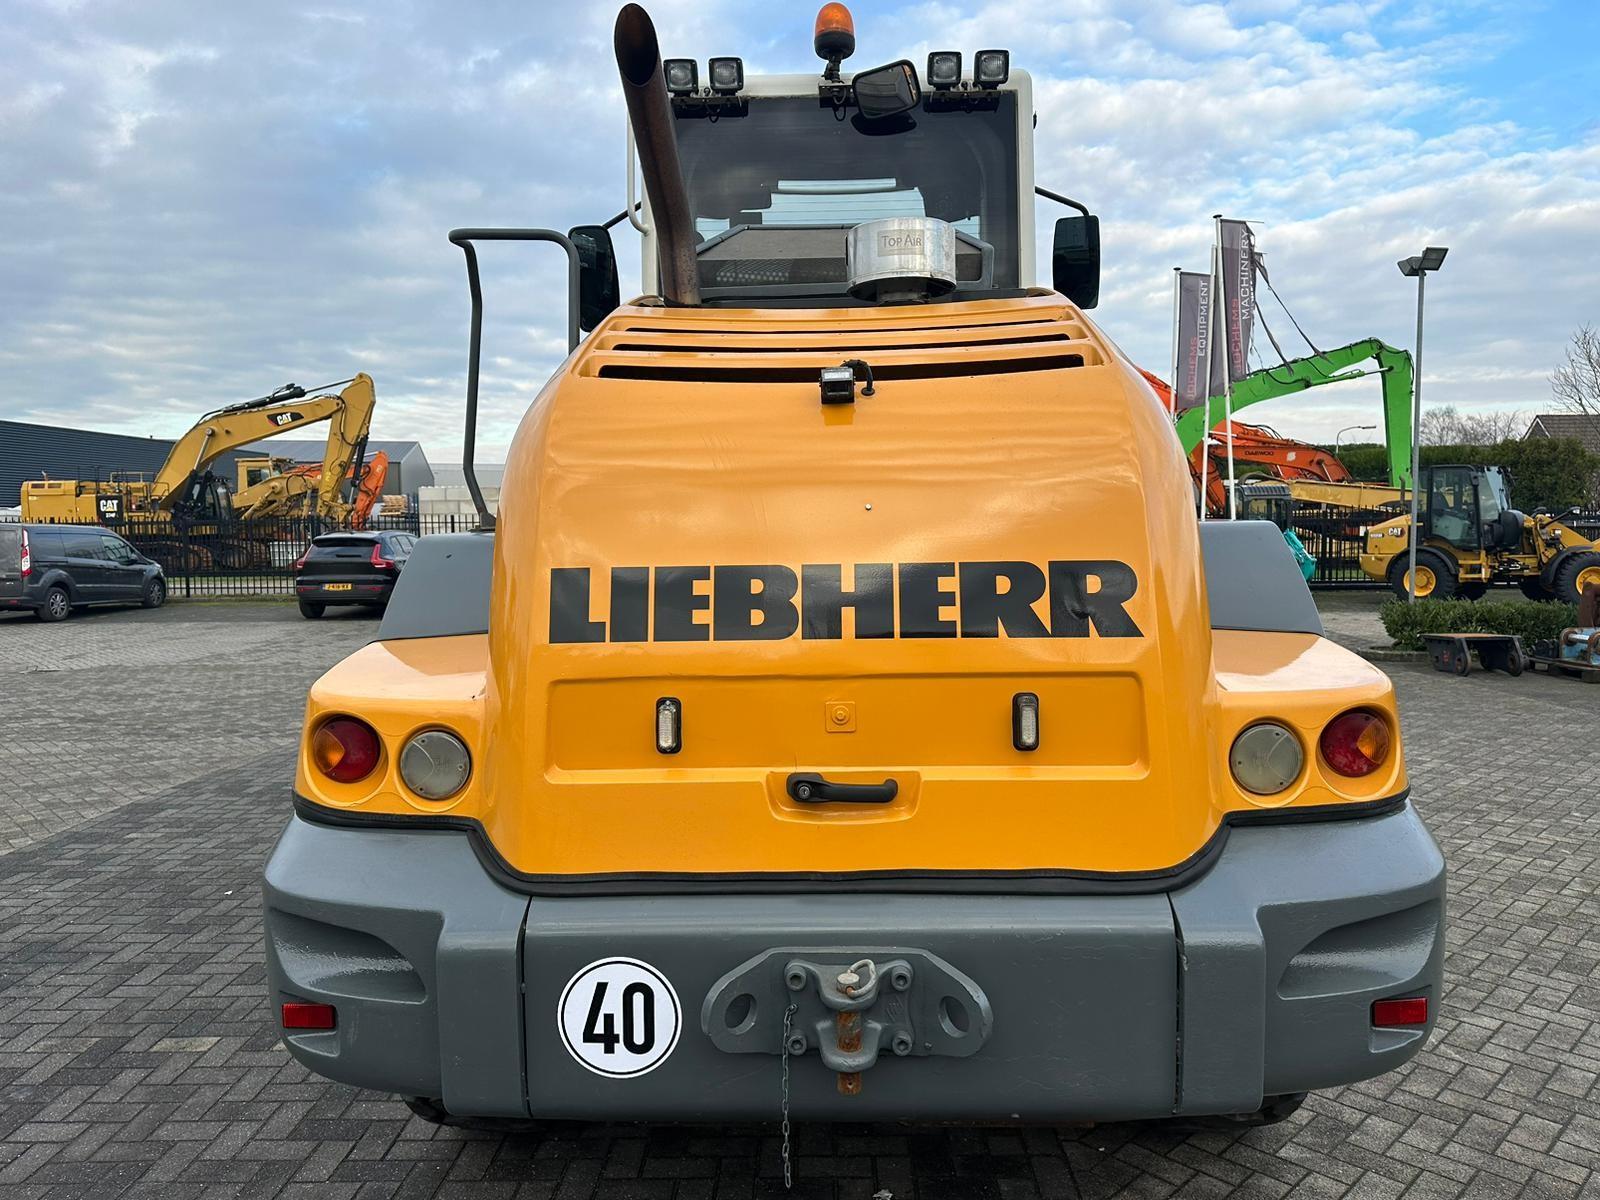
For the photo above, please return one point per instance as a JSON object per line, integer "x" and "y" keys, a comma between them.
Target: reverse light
{"x": 1025, "y": 721}
{"x": 27, "y": 556}
{"x": 379, "y": 559}
{"x": 345, "y": 749}
{"x": 944, "y": 69}
{"x": 435, "y": 764}
{"x": 726, "y": 75}
{"x": 1401, "y": 1012}
{"x": 669, "y": 725}
{"x": 300, "y": 1015}
{"x": 682, "y": 75}
{"x": 1266, "y": 758}
{"x": 1355, "y": 743}
{"x": 991, "y": 68}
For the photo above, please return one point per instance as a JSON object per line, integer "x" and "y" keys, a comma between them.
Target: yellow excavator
{"x": 186, "y": 495}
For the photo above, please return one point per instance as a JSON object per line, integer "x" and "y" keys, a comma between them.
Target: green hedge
{"x": 1530, "y": 620}
{"x": 1554, "y": 473}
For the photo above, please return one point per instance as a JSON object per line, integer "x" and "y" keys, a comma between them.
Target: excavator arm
{"x": 284, "y": 411}
{"x": 1331, "y": 366}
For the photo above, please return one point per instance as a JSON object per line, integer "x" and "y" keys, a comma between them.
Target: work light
{"x": 944, "y": 69}
{"x": 682, "y": 75}
{"x": 991, "y": 68}
{"x": 727, "y": 75}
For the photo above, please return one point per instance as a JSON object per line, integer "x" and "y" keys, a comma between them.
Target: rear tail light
{"x": 379, "y": 560}
{"x": 300, "y": 563}
{"x": 345, "y": 749}
{"x": 27, "y": 556}
{"x": 1399, "y": 1013}
{"x": 1356, "y": 743}
{"x": 299, "y": 1015}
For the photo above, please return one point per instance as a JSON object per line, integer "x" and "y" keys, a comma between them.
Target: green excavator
{"x": 1327, "y": 366}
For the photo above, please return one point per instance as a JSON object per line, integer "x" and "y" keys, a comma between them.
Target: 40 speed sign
{"x": 619, "y": 1017}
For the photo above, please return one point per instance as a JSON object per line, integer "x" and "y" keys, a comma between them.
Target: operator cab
{"x": 838, "y": 190}
{"x": 1470, "y": 507}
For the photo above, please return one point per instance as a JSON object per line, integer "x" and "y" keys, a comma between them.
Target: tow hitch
{"x": 849, "y": 1006}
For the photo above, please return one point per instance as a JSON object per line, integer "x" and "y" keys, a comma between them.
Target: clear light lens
{"x": 992, "y": 67}
{"x": 681, "y": 74}
{"x": 669, "y": 725}
{"x": 944, "y": 68}
{"x": 727, "y": 74}
{"x": 1025, "y": 721}
{"x": 1266, "y": 759}
{"x": 435, "y": 764}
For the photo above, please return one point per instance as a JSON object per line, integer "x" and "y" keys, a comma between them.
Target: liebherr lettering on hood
{"x": 887, "y": 600}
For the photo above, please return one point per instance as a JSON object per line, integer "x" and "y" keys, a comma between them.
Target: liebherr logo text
{"x": 887, "y": 600}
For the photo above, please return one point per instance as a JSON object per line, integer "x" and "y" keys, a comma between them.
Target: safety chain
{"x": 788, "y": 1016}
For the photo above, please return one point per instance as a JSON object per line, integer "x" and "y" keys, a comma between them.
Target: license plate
{"x": 336, "y": 587}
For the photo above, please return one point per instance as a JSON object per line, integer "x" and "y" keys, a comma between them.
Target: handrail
{"x": 464, "y": 238}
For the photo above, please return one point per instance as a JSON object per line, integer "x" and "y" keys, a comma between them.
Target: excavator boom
{"x": 1330, "y": 366}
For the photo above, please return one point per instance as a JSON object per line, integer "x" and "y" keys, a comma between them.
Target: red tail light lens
{"x": 299, "y": 1015}
{"x": 27, "y": 556}
{"x": 345, "y": 749}
{"x": 1356, "y": 743}
{"x": 378, "y": 559}
{"x": 1395, "y": 1014}
{"x": 300, "y": 563}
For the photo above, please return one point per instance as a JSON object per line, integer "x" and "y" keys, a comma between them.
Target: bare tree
{"x": 1576, "y": 382}
{"x": 1449, "y": 426}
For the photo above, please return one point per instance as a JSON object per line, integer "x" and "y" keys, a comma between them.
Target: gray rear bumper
{"x": 1256, "y": 979}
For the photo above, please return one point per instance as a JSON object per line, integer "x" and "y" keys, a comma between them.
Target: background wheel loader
{"x": 1472, "y": 537}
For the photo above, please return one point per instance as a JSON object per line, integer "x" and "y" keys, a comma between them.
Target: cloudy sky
{"x": 199, "y": 202}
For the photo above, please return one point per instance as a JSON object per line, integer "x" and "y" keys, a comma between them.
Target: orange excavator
{"x": 1254, "y": 447}
{"x": 294, "y": 489}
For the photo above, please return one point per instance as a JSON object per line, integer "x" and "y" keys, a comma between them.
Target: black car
{"x": 350, "y": 568}
{"x": 54, "y": 569}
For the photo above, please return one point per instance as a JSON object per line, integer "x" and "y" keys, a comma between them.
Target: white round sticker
{"x": 619, "y": 1017}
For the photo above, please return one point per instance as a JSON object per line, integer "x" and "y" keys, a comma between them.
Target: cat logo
{"x": 904, "y": 600}
{"x": 287, "y": 418}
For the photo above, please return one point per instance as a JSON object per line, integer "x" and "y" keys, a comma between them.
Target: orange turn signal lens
{"x": 345, "y": 749}
{"x": 1356, "y": 743}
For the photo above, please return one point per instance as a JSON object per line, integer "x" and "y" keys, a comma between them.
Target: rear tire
{"x": 1436, "y": 576}
{"x": 311, "y": 612}
{"x": 57, "y": 605}
{"x": 1471, "y": 591}
{"x": 155, "y": 594}
{"x": 1578, "y": 572}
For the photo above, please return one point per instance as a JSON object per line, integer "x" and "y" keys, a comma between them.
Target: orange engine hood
{"x": 854, "y": 590}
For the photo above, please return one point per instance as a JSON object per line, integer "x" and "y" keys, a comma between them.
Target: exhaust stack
{"x": 650, "y": 114}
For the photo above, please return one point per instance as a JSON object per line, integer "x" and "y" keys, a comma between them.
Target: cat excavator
{"x": 186, "y": 494}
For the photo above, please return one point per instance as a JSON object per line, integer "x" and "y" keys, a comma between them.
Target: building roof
{"x": 311, "y": 450}
{"x": 30, "y": 451}
{"x": 1582, "y": 428}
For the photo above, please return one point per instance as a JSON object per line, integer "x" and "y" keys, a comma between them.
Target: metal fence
{"x": 253, "y": 557}
{"x": 1334, "y": 537}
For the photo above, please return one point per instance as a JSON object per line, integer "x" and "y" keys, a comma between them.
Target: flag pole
{"x": 1205, "y": 387}
{"x": 1220, "y": 286}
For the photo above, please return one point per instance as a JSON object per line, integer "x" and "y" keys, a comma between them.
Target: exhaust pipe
{"x": 650, "y": 114}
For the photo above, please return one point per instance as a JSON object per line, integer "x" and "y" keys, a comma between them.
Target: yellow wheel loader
{"x": 1472, "y": 537}
{"x": 844, "y": 717}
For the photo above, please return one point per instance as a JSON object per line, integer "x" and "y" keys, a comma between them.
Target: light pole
{"x": 1417, "y": 266}
{"x": 1339, "y": 436}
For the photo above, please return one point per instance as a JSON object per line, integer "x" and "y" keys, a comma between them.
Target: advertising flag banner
{"x": 1194, "y": 333}
{"x": 1238, "y": 293}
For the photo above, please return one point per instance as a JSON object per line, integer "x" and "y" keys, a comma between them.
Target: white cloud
{"x": 195, "y": 209}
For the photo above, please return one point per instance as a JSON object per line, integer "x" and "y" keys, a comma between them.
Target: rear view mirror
{"x": 1075, "y": 260}
{"x": 598, "y": 291}
{"x": 887, "y": 91}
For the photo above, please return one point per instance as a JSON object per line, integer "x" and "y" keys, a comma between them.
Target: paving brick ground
{"x": 137, "y": 1056}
